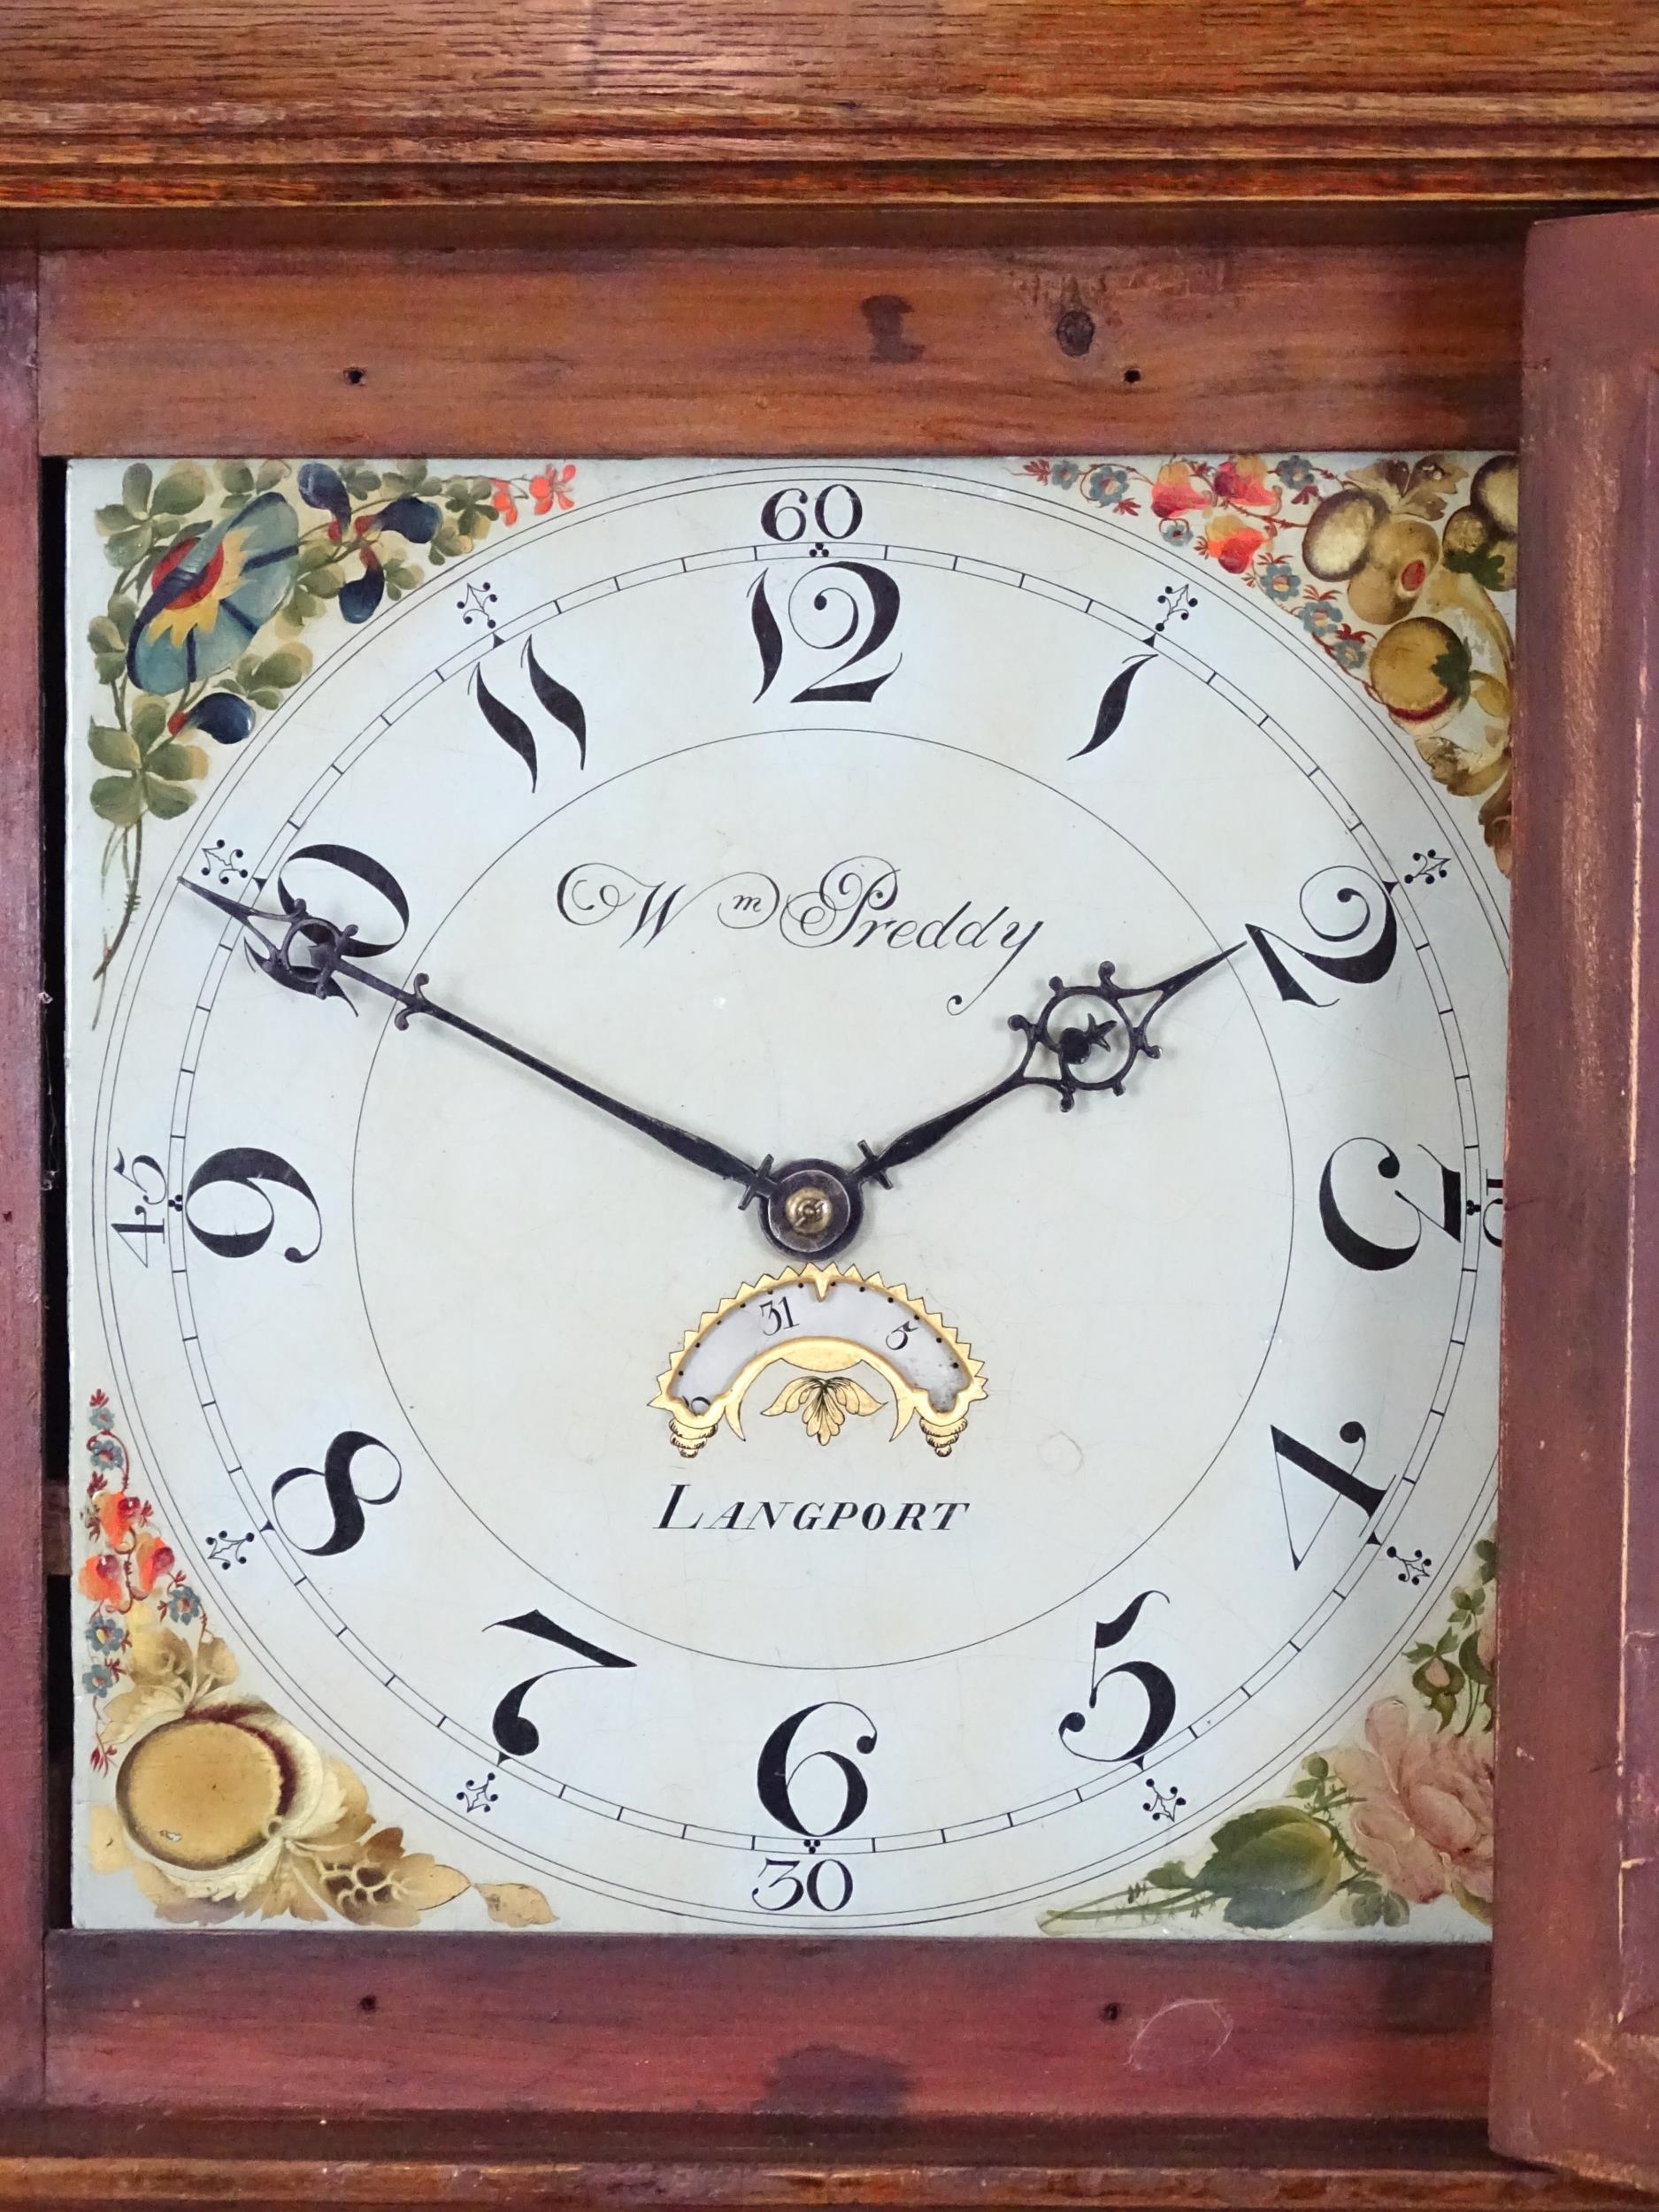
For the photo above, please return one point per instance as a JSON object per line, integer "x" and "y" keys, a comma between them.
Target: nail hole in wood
{"x": 357, "y": 376}
{"x": 1074, "y": 332}
{"x": 1131, "y": 376}
{"x": 368, "y": 2004}
{"x": 1110, "y": 2012}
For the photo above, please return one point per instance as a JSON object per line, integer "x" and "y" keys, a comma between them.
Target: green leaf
{"x": 1483, "y": 563}
{"x": 102, "y": 636}
{"x": 236, "y": 477}
{"x": 301, "y": 606}
{"x": 176, "y": 763}
{"x": 1395, "y": 1911}
{"x": 318, "y": 553}
{"x": 118, "y": 799}
{"x": 180, "y": 490}
{"x": 270, "y": 474}
{"x": 1304, "y": 1789}
{"x": 1173, "y": 1876}
{"x": 1318, "y": 1765}
{"x": 282, "y": 671}
{"x": 135, "y": 489}
{"x": 110, "y": 666}
{"x": 1364, "y": 1906}
{"x": 123, "y": 614}
{"x": 265, "y": 699}
{"x": 327, "y": 583}
{"x": 149, "y": 719}
{"x": 112, "y": 748}
{"x": 169, "y": 800}
{"x": 116, "y": 518}
{"x": 129, "y": 546}
{"x": 361, "y": 482}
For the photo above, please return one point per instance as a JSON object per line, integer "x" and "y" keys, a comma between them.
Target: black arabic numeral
{"x": 780, "y": 1874}
{"x": 789, "y": 506}
{"x": 775, "y": 1776}
{"x": 1341, "y": 1482}
{"x": 247, "y": 1167}
{"x": 1374, "y": 942}
{"x": 1114, "y": 705}
{"x": 145, "y": 1174}
{"x": 882, "y": 615}
{"x": 1361, "y": 1250}
{"x": 341, "y": 903}
{"x": 516, "y": 1735}
{"x": 345, "y": 1500}
{"x": 1158, "y": 1689}
{"x": 768, "y": 636}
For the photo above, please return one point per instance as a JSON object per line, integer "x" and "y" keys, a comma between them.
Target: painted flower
{"x": 151, "y": 1559}
{"x": 183, "y": 1605}
{"x": 1296, "y": 473}
{"x": 1106, "y": 483}
{"x": 102, "y": 1418}
{"x": 102, "y": 1581}
{"x": 1424, "y": 1819}
{"x": 119, "y": 1515}
{"x": 1280, "y": 582}
{"x": 103, "y": 1451}
{"x": 549, "y": 489}
{"x": 1349, "y": 653}
{"x": 1320, "y": 617}
{"x": 105, "y": 1635}
{"x": 211, "y": 594}
{"x": 99, "y": 1681}
{"x": 1176, "y": 531}
{"x": 1232, "y": 542}
{"x": 1243, "y": 482}
{"x": 503, "y": 501}
{"x": 1179, "y": 488}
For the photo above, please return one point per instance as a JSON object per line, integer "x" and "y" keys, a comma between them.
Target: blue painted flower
{"x": 211, "y": 594}
{"x": 102, "y": 1417}
{"x": 1063, "y": 474}
{"x": 1280, "y": 582}
{"x": 106, "y": 1635}
{"x": 99, "y": 1681}
{"x": 1176, "y": 531}
{"x": 1105, "y": 484}
{"x": 1319, "y": 618}
{"x": 183, "y": 1605}
{"x": 1296, "y": 472}
{"x": 104, "y": 1451}
{"x": 1349, "y": 653}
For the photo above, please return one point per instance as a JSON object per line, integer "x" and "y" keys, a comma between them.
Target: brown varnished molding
{"x": 779, "y": 351}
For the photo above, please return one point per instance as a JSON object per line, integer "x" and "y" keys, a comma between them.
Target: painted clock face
{"x": 786, "y": 1192}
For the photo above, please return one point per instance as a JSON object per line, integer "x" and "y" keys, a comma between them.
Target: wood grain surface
{"x": 877, "y": 2029}
{"x": 553, "y": 102}
{"x": 766, "y": 2167}
{"x": 1132, "y": 349}
{"x": 22, "y": 1587}
{"x": 1576, "y": 2078}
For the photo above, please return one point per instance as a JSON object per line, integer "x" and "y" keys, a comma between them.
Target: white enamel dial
{"x": 956, "y": 1564}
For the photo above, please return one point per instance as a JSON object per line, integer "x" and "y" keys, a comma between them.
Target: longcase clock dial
{"x": 786, "y": 1192}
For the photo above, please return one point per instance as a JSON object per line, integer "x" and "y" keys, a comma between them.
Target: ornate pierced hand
{"x": 313, "y": 955}
{"x": 1089, "y": 1053}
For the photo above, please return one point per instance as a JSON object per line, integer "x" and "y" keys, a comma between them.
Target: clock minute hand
{"x": 1113, "y": 1044}
{"x": 326, "y": 960}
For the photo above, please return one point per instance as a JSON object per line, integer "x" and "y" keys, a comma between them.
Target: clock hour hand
{"x": 1091, "y": 1034}
{"x": 311, "y": 955}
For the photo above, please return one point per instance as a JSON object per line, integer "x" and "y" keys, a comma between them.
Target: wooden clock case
{"x": 944, "y": 225}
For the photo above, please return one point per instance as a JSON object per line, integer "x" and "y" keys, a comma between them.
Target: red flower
{"x": 151, "y": 1559}
{"x": 119, "y": 1515}
{"x": 1241, "y": 481}
{"x": 102, "y": 1580}
{"x": 1231, "y": 542}
{"x": 548, "y": 489}
{"x": 1179, "y": 488}
{"x": 504, "y": 502}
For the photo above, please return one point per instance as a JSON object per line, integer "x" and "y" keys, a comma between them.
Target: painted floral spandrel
{"x": 222, "y": 1807}
{"x": 219, "y": 573}
{"x": 1366, "y": 1830}
{"x": 1393, "y": 579}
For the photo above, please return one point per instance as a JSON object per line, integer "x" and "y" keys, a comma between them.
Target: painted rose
{"x": 1424, "y": 1819}
{"x": 1243, "y": 482}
